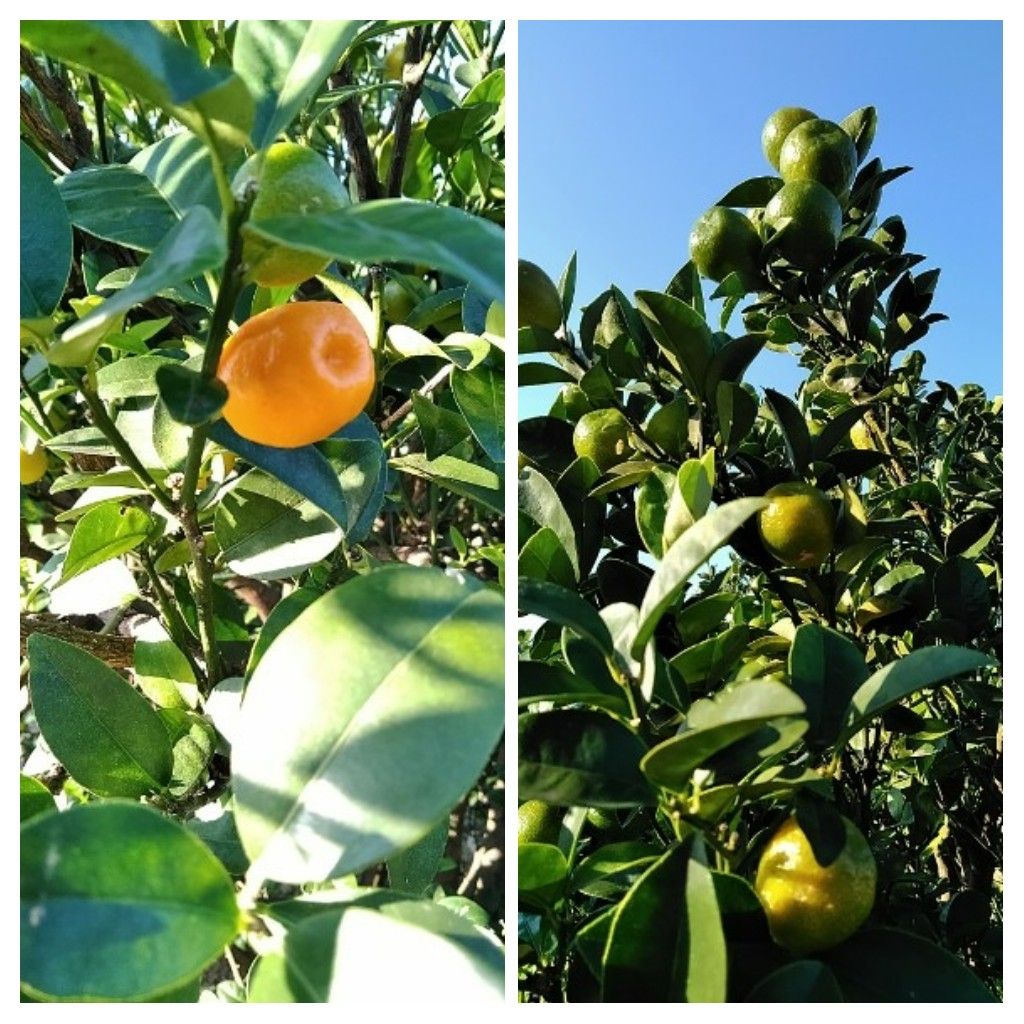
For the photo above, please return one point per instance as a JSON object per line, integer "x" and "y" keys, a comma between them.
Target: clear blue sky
{"x": 629, "y": 131}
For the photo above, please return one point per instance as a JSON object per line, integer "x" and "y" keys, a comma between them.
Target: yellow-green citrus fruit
{"x": 797, "y": 525}
{"x": 603, "y": 437}
{"x": 860, "y": 436}
{"x": 601, "y": 819}
{"x": 539, "y": 303}
{"x": 778, "y": 126}
{"x": 398, "y": 302}
{"x": 669, "y": 426}
{"x": 810, "y": 238}
{"x": 821, "y": 151}
{"x": 574, "y": 401}
{"x": 723, "y": 242}
{"x": 810, "y": 907}
{"x": 33, "y": 465}
{"x": 292, "y": 180}
{"x": 539, "y": 822}
{"x": 394, "y": 60}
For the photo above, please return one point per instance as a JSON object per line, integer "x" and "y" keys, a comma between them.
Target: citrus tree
{"x": 760, "y": 739}
{"x": 261, "y": 463}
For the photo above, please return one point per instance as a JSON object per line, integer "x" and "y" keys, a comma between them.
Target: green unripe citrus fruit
{"x": 810, "y": 907}
{"x": 797, "y": 525}
{"x": 33, "y": 465}
{"x": 539, "y": 302}
{"x": 603, "y": 437}
{"x": 574, "y": 401}
{"x": 723, "y": 242}
{"x": 821, "y": 151}
{"x": 292, "y": 180}
{"x": 601, "y": 819}
{"x": 398, "y": 301}
{"x": 539, "y": 822}
{"x": 815, "y": 219}
{"x": 778, "y": 126}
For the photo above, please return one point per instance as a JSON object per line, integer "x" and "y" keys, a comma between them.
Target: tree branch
{"x": 41, "y": 129}
{"x": 352, "y": 126}
{"x": 60, "y": 95}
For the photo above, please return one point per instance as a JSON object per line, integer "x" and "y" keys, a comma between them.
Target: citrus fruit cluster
{"x": 817, "y": 161}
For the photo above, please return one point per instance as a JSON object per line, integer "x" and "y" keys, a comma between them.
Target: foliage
{"x": 264, "y": 684}
{"x": 698, "y": 699}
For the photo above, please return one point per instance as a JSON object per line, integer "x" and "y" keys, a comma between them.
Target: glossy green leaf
{"x": 336, "y": 957}
{"x": 105, "y": 532}
{"x": 480, "y": 396}
{"x": 117, "y": 203}
{"x": 539, "y": 500}
{"x": 803, "y": 981}
{"x": 412, "y": 870}
{"x": 542, "y": 872}
{"x": 580, "y": 758}
{"x": 888, "y": 965}
{"x": 97, "y": 725}
{"x": 212, "y": 101}
{"x": 284, "y": 64}
{"x": 190, "y": 398}
{"x": 35, "y": 798}
{"x": 45, "y": 246}
{"x": 666, "y": 943}
{"x": 136, "y": 905}
{"x": 683, "y": 559}
{"x": 401, "y": 231}
{"x": 350, "y": 769}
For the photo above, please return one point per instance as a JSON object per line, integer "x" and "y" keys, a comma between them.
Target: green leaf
{"x": 401, "y": 231}
{"x": 666, "y": 943}
{"x": 45, "y": 239}
{"x": 652, "y": 501}
{"x": 731, "y": 361}
{"x": 180, "y": 167}
{"x": 194, "y": 245}
{"x": 97, "y": 725}
{"x": 284, "y": 64}
{"x": 212, "y": 101}
{"x": 336, "y": 957}
{"x": 339, "y": 777}
{"x": 736, "y": 411}
{"x": 267, "y": 531}
{"x": 449, "y": 131}
{"x": 412, "y": 870}
{"x": 470, "y": 479}
{"x": 440, "y": 428}
{"x": 803, "y": 981}
{"x": 825, "y": 669}
{"x": 860, "y": 126}
{"x": 118, "y": 204}
{"x": 712, "y": 725}
{"x": 193, "y": 742}
{"x": 191, "y": 398}
{"x": 900, "y": 679}
{"x": 35, "y": 798}
{"x": 887, "y": 965}
{"x": 683, "y": 559}
{"x": 793, "y": 428}
{"x": 580, "y": 758}
{"x": 540, "y": 502}
{"x": 480, "y": 396}
{"x": 136, "y": 905}
{"x": 752, "y": 192}
{"x": 822, "y": 824}
{"x": 566, "y": 608}
{"x": 304, "y": 470}
{"x": 542, "y": 874}
{"x": 681, "y": 333}
{"x": 105, "y": 532}
{"x": 543, "y": 557}
{"x": 614, "y": 868}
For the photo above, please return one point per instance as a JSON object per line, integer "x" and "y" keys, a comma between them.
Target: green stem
{"x": 109, "y": 430}
{"x": 37, "y": 403}
{"x": 176, "y": 627}
{"x": 201, "y": 576}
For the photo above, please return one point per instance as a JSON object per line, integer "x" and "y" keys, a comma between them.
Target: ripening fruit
{"x": 296, "y": 373}
{"x": 394, "y": 61}
{"x": 291, "y": 180}
{"x": 810, "y": 907}
{"x": 33, "y": 465}
{"x": 860, "y": 436}
{"x": 798, "y": 525}
{"x": 398, "y": 301}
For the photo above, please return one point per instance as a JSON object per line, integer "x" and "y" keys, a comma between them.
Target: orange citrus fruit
{"x": 296, "y": 373}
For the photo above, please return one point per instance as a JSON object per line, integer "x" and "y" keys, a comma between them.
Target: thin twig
{"x": 98, "y": 103}
{"x": 367, "y": 182}
{"x": 58, "y": 93}
{"x": 406, "y": 407}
